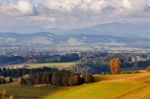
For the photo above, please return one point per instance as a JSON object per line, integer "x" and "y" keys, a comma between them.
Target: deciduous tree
{"x": 115, "y": 66}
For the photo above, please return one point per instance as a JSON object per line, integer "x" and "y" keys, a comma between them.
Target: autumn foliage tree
{"x": 11, "y": 97}
{"x": 115, "y": 65}
{"x": 148, "y": 69}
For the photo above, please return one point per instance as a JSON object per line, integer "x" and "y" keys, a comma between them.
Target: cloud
{"x": 69, "y": 5}
{"x": 72, "y": 13}
{"x": 24, "y": 6}
{"x": 21, "y": 7}
{"x": 95, "y": 5}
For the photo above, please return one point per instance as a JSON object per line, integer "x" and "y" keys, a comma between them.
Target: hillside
{"x": 47, "y": 39}
{"x": 126, "y": 86}
{"x": 123, "y": 86}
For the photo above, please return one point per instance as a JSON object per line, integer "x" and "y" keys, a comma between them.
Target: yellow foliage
{"x": 115, "y": 65}
{"x": 11, "y": 97}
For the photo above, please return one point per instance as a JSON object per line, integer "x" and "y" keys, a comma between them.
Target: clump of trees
{"x": 44, "y": 76}
{"x": 91, "y": 66}
{"x": 115, "y": 65}
{"x": 87, "y": 78}
{"x": 16, "y": 73}
{"x": 38, "y": 58}
{"x": 58, "y": 78}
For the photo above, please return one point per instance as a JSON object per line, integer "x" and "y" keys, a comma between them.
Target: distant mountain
{"x": 19, "y": 40}
{"x": 113, "y": 29}
{"x": 46, "y": 39}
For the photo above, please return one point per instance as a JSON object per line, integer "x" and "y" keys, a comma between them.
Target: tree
{"x": 148, "y": 69}
{"x": 22, "y": 80}
{"x": 11, "y": 97}
{"x": 74, "y": 79}
{"x": 115, "y": 65}
{"x": 56, "y": 78}
{"x": 88, "y": 78}
{"x": 2, "y": 81}
{"x": 65, "y": 80}
{"x": 8, "y": 79}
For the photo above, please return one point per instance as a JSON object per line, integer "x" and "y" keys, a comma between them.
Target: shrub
{"x": 8, "y": 79}
{"x": 2, "y": 81}
{"x": 21, "y": 80}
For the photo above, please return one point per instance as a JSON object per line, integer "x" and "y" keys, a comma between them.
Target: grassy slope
{"x": 28, "y": 91}
{"x": 125, "y": 86}
{"x": 113, "y": 87}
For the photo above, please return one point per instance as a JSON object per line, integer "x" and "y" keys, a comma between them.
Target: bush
{"x": 2, "y": 81}
{"x": 8, "y": 79}
{"x": 21, "y": 80}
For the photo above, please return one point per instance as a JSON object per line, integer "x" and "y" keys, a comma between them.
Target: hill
{"x": 51, "y": 40}
{"x": 126, "y": 86}
{"x": 123, "y": 86}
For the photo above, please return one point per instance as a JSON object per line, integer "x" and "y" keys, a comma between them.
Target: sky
{"x": 27, "y": 16}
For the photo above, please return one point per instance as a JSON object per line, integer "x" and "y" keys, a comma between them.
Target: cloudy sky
{"x": 26, "y": 16}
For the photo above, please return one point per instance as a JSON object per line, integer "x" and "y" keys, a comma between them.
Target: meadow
{"x": 27, "y": 91}
{"x": 51, "y": 65}
{"x": 123, "y": 86}
{"x": 64, "y": 65}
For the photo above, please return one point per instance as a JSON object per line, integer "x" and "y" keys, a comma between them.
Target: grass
{"x": 107, "y": 90}
{"x": 67, "y": 64}
{"x": 39, "y": 65}
{"x": 124, "y": 86}
{"x": 27, "y": 91}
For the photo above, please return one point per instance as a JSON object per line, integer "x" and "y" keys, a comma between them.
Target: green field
{"x": 38, "y": 65}
{"x": 123, "y": 86}
{"x": 127, "y": 86}
{"x": 28, "y": 91}
{"x": 52, "y": 65}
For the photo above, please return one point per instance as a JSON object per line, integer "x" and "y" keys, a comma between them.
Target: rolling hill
{"x": 125, "y": 86}
{"x": 46, "y": 39}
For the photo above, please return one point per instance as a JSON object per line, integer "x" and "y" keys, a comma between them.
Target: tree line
{"x": 58, "y": 78}
{"x": 8, "y": 60}
{"x": 45, "y": 76}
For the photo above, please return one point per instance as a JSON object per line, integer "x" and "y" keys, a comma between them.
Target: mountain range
{"x": 44, "y": 39}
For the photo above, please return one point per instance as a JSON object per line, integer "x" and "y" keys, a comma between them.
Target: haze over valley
{"x": 74, "y": 49}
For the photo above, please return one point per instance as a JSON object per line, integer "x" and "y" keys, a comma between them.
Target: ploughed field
{"x": 123, "y": 86}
